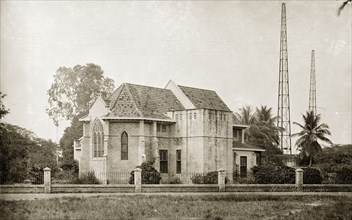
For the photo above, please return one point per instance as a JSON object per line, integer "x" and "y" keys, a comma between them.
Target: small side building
{"x": 245, "y": 156}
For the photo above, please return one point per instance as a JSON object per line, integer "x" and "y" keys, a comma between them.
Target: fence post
{"x": 299, "y": 179}
{"x": 47, "y": 180}
{"x": 221, "y": 179}
{"x": 138, "y": 180}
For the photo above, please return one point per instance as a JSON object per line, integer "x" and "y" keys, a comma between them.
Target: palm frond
{"x": 325, "y": 139}
{"x": 295, "y": 123}
{"x": 339, "y": 10}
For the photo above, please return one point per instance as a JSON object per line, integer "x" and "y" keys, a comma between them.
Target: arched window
{"x": 98, "y": 140}
{"x": 124, "y": 146}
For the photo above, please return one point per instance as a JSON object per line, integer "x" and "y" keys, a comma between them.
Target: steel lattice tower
{"x": 312, "y": 86}
{"x": 283, "y": 111}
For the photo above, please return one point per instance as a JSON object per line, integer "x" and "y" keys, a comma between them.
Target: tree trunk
{"x": 310, "y": 161}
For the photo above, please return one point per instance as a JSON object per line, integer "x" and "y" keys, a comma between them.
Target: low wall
{"x": 327, "y": 188}
{"x": 92, "y": 188}
{"x": 173, "y": 188}
{"x": 288, "y": 188}
{"x": 180, "y": 188}
{"x": 21, "y": 188}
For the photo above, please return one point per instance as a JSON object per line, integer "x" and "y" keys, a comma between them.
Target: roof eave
{"x": 240, "y": 126}
{"x": 248, "y": 149}
{"x": 138, "y": 119}
{"x": 84, "y": 118}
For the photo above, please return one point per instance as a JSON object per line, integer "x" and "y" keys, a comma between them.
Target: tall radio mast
{"x": 283, "y": 111}
{"x": 312, "y": 86}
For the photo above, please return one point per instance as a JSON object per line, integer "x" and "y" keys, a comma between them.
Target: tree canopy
{"x": 3, "y": 109}
{"x": 23, "y": 154}
{"x": 75, "y": 89}
{"x": 72, "y": 133}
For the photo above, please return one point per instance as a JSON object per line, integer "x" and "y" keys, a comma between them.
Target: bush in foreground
{"x": 311, "y": 176}
{"x": 208, "y": 178}
{"x": 274, "y": 174}
{"x": 87, "y": 178}
{"x": 149, "y": 174}
{"x": 344, "y": 175}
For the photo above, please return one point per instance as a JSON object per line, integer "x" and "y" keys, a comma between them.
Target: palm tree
{"x": 265, "y": 127}
{"x": 262, "y": 130}
{"x": 312, "y": 132}
{"x": 246, "y": 116}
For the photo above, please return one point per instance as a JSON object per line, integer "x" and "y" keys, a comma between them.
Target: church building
{"x": 184, "y": 130}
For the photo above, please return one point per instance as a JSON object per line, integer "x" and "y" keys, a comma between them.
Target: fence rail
{"x": 31, "y": 177}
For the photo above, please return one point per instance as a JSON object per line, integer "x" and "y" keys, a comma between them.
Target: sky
{"x": 231, "y": 47}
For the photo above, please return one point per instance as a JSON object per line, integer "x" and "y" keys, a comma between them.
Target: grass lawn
{"x": 181, "y": 207}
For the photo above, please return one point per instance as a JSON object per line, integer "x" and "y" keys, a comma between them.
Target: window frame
{"x": 178, "y": 161}
{"x": 124, "y": 146}
{"x": 98, "y": 140}
{"x": 163, "y": 159}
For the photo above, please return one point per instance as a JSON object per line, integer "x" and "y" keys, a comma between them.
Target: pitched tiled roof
{"x": 237, "y": 144}
{"x": 150, "y": 102}
{"x": 202, "y": 98}
{"x": 113, "y": 97}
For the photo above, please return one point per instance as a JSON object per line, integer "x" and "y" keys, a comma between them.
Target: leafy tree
{"x": 75, "y": 89}
{"x": 334, "y": 162}
{"x": 23, "y": 155}
{"x": 70, "y": 96}
{"x": 72, "y": 133}
{"x": 311, "y": 133}
{"x": 3, "y": 109}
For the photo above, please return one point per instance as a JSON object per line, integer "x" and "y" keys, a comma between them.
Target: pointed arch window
{"x": 98, "y": 140}
{"x": 124, "y": 146}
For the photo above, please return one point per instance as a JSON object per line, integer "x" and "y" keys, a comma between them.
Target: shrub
{"x": 311, "y": 176}
{"x": 274, "y": 174}
{"x": 65, "y": 176}
{"x": 71, "y": 165}
{"x": 209, "y": 178}
{"x": 149, "y": 174}
{"x": 246, "y": 180}
{"x": 87, "y": 178}
{"x": 332, "y": 162}
{"x": 344, "y": 175}
{"x": 197, "y": 179}
{"x": 263, "y": 174}
{"x": 285, "y": 175}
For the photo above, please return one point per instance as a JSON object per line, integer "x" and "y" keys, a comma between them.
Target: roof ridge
{"x": 197, "y": 88}
{"x": 133, "y": 101}
{"x": 111, "y": 107}
{"x": 147, "y": 86}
